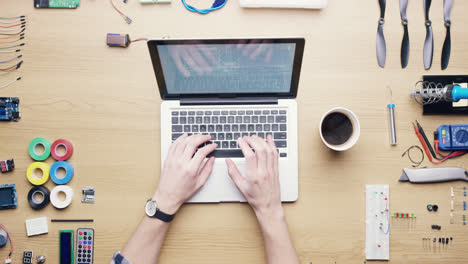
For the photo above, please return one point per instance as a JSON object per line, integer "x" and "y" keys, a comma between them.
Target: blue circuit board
{"x": 9, "y": 109}
{"x": 8, "y": 197}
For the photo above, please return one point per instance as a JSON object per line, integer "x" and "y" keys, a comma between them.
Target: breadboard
{"x": 377, "y": 222}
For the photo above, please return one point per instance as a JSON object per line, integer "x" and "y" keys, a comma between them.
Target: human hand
{"x": 197, "y": 57}
{"x": 255, "y": 48}
{"x": 260, "y": 187}
{"x": 180, "y": 178}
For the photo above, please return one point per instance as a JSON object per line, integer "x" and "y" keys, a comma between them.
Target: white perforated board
{"x": 377, "y": 222}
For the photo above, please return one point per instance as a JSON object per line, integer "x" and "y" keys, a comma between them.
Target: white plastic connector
{"x": 8, "y": 260}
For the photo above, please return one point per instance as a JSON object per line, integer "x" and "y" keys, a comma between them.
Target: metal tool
{"x": 447, "y": 43}
{"x": 428, "y": 50}
{"x": 405, "y": 43}
{"x": 381, "y": 47}
{"x": 391, "y": 112}
{"x": 434, "y": 175}
{"x": 425, "y": 93}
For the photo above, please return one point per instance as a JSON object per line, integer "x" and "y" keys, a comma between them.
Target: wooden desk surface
{"x": 105, "y": 101}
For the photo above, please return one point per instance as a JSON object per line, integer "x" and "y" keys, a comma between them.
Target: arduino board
{"x": 9, "y": 109}
{"x": 56, "y": 3}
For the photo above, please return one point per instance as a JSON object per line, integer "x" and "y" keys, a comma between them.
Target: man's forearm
{"x": 278, "y": 245}
{"x": 145, "y": 244}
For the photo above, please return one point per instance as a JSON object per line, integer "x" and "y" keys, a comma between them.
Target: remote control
{"x": 84, "y": 245}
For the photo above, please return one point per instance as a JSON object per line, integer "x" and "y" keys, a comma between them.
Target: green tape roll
{"x": 33, "y": 148}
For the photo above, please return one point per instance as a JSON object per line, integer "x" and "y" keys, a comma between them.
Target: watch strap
{"x": 163, "y": 216}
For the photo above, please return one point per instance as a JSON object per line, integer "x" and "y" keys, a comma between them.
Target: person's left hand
{"x": 180, "y": 178}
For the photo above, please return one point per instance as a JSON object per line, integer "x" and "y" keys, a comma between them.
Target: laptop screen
{"x": 235, "y": 67}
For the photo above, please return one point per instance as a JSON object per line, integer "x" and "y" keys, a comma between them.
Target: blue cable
{"x": 218, "y": 4}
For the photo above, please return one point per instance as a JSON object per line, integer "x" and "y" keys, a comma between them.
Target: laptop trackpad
{"x": 219, "y": 187}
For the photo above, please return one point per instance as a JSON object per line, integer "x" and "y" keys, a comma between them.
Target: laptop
{"x": 229, "y": 88}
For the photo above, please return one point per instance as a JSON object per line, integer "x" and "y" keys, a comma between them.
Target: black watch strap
{"x": 163, "y": 216}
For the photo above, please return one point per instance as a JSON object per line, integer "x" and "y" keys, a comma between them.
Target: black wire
{"x": 415, "y": 163}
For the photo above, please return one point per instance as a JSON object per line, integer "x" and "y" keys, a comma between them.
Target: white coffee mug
{"x": 355, "y": 134}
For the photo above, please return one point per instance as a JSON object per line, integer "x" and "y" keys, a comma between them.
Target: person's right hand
{"x": 260, "y": 187}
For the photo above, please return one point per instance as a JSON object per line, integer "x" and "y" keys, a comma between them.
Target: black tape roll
{"x": 33, "y": 202}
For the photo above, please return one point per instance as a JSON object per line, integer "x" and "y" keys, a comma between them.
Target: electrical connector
{"x": 8, "y": 260}
{"x": 128, "y": 20}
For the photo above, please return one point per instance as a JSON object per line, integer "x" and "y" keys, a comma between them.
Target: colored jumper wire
{"x": 431, "y": 155}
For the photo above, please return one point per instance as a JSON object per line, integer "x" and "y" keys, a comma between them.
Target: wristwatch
{"x": 152, "y": 210}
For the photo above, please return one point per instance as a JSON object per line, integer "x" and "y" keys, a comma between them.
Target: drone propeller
{"x": 428, "y": 51}
{"x": 405, "y": 44}
{"x": 381, "y": 46}
{"x": 447, "y": 43}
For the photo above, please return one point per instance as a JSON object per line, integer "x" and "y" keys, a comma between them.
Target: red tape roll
{"x": 68, "y": 149}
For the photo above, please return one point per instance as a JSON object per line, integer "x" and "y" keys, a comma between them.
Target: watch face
{"x": 151, "y": 208}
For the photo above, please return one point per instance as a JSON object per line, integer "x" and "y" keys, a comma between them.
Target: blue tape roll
{"x": 69, "y": 172}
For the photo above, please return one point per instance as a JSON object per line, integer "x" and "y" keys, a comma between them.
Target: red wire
{"x": 418, "y": 134}
{"x": 11, "y": 26}
{"x": 138, "y": 39}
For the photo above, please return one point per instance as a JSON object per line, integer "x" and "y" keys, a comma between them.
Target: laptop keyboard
{"x": 226, "y": 126}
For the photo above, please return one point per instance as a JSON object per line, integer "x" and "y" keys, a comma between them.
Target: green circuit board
{"x": 56, "y": 3}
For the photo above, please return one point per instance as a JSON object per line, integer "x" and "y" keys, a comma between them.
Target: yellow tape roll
{"x": 45, "y": 173}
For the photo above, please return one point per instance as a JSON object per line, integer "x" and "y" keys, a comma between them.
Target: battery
{"x": 118, "y": 40}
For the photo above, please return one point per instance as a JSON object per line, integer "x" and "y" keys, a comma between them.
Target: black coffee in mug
{"x": 336, "y": 128}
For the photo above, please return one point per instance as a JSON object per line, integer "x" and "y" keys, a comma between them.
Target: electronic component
{"x": 9, "y": 109}
{"x": 27, "y": 257}
{"x": 118, "y": 40}
{"x": 436, "y": 227}
{"x": 87, "y": 194}
{"x": 7, "y": 165}
{"x": 431, "y": 207}
{"x": 3, "y": 238}
{"x": 66, "y": 254}
{"x": 56, "y": 3}
{"x": 37, "y": 226}
{"x": 125, "y": 17}
{"x": 84, "y": 245}
{"x": 8, "y": 197}
{"x": 377, "y": 222}
{"x": 453, "y": 137}
{"x": 404, "y": 215}
{"x": 40, "y": 259}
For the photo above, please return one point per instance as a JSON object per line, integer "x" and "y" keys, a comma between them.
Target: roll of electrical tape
{"x": 56, "y": 201}
{"x": 45, "y": 173}
{"x": 33, "y": 148}
{"x": 61, "y": 143}
{"x": 35, "y": 204}
{"x": 69, "y": 172}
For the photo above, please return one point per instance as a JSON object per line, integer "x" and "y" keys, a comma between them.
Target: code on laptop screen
{"x": 255, "y": 66}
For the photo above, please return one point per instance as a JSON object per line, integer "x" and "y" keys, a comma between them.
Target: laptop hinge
{"x": 229, "y": 101}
